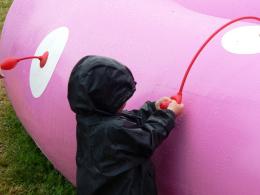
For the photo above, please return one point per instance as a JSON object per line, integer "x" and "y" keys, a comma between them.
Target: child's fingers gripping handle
{"x": 164, "y": 105}
{"x": 178, "y": 98}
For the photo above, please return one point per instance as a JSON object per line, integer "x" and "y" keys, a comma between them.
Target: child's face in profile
{"x": 121, "y": 108}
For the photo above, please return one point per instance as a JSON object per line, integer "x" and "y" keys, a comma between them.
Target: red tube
{"x": 178, "y": 97}
{"x": 10, "y": 63}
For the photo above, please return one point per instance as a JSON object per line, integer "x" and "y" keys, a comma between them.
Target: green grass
{"x": 23, "y": 168}
{"x": 4, "y": 6}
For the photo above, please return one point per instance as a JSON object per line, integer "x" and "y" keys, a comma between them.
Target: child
{"x": 114, "y": 146}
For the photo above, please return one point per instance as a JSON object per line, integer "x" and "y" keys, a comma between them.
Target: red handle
{"x": 178, "y": 98}
{"x": 164, "y": 105}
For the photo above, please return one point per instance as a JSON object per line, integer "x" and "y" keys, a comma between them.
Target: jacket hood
{"x": 99, "y": 85}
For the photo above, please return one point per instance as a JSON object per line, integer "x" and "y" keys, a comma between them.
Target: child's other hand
{"x": 175, "y": 107}
{"x": 158, "y": 102}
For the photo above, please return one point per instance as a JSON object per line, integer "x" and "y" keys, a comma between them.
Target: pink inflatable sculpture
{"x": 215, "y": 149}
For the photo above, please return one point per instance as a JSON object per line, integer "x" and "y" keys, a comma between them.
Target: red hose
{"x": 10, "y": 63}
{"x": 178, "y": 97}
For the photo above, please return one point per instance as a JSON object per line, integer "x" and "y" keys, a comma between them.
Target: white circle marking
{"x": 54, "y": 43}
{"x": 242, "y": 40}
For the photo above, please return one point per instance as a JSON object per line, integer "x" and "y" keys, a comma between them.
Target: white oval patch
{"x": 54, "y": 43}
{"x": 242, "y": 40}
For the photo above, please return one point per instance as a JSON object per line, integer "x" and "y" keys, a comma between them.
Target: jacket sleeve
{"x": 145, "y": 111}
{"x": 142, "y": 141}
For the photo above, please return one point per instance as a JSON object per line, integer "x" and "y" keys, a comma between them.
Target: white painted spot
{"x": 54, "y": 43}
{"x": 242, "y": 40}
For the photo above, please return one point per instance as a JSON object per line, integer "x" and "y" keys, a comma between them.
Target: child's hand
{"x": 175, "y": 107}
{"x": 158, "y": 102}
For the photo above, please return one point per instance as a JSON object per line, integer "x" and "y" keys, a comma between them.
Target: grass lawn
{"x": 23, "y": 168}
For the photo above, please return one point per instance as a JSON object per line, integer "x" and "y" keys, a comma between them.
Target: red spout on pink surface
{"x": 10, "y": 63}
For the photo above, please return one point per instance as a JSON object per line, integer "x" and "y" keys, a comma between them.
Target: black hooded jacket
{"x": 113, "y": 149}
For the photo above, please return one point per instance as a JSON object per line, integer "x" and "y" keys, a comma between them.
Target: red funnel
{"x": 43, "y": 59}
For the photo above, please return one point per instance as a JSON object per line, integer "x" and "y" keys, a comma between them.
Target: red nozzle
{"x": 10, "y": 63}
{"x": 178, "y": 98}
{"x": 164, "y": 105}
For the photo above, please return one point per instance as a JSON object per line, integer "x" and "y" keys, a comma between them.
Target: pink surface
{"x": 223, "y": 8}
{"x": 215, "y": 148}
